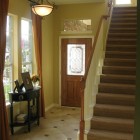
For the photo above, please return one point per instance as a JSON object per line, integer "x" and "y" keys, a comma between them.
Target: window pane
{"x": 8, "y": 70}
{"x": 27, "y": 67}
{"x": 123, "y": 1}
{"x": 9, "y": 41}
{"x": 7, "y": 81}
{"x": 76, "y": 59}
{"x": 26, "y": 45}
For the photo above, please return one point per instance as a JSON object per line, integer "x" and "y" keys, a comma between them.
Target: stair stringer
{"x": 93, "y": 80}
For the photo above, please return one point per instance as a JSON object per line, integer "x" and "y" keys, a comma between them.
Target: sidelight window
{"x": 8, "y": 69}
{"x": 26, "y": 45}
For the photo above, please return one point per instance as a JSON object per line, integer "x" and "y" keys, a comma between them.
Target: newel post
{"x": 82, "y": 121}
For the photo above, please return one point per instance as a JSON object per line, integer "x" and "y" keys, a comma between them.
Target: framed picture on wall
{"x": 27, "y": 81}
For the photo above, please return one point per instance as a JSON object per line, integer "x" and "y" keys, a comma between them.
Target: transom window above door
{"x": 74, "y": 25}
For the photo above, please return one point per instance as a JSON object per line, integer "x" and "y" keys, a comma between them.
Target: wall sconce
{"x": 41, "y": 8}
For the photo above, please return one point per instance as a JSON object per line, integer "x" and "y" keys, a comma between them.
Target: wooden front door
{"x": 75, "y": 53}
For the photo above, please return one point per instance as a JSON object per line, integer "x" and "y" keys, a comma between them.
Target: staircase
{"x": 113, "y": 117}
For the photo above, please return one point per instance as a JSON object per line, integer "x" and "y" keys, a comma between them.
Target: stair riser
{"x": 105, "y": 135}
{"x": 120, "y": 36}
{"x": 112, "y": 126}
{"x": 119, "y": 63}
{"x": 124, "y": 20}
{"x": 94, "y": 137}
{"x": 100, "y": 137}
{"x": 124, "y": 16}
{"x": 124, "y": 12}
{"x": 118, "y": 71}
{"x": 124, "y": 72}
{"x": 120, "y": 56}
{"x": 129, "y": 30}
{"x": 121, "y": 48}
{"x": 118, "y": 80}
{"x": 122, "y": 42}
{"x": 124, "y": 9}
{"x": 103, "y": 99}
{"x": 122, "y": 25}
{"x": 117, "y": 113}
{"x": 117, "y": 89}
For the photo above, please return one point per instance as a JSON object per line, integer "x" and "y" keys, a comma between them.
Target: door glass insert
{"x": 75, "y": 59}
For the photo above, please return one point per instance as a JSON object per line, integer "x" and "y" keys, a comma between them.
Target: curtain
{"x": 4, "y": 128}
{"x": 37, "y": 30}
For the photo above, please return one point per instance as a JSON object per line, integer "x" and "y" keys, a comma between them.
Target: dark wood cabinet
{"x": 32, "y": 99}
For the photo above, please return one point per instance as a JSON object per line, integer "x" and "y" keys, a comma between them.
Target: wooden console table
{"x": 28, "y": 96}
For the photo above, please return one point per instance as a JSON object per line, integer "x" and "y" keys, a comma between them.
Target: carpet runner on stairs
{"x": 113, "y": 117}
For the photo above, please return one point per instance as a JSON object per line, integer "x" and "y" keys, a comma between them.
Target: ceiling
{"x": 61, "y": 2}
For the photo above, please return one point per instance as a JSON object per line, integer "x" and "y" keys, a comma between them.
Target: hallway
{"x": 61, "y": 123}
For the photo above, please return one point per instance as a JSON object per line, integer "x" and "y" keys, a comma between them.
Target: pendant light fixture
{"x": 41, "y": 7}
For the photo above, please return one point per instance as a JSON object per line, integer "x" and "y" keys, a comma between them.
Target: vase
{"x": 36, "y": 84}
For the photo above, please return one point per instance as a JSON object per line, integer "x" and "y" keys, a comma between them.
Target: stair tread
{"x": 120, "y": 107}
{"x": 118, "y": 52}
{"x": 113, "y": 119}
{"x": 111, "y": 134}
{"x": 121, "y": 45}
{"x": 116, "y": 95}
{"x": 124, "y": 11}
{"x": 117, "y": 84}
{"x": 119, "y": 76}
{"x": 121, "y": 18}
{"x": 130, "y": 28}
{"x": 120, "y": 67}
{"x": 117, "y": 79}
{"x": 126, "y": 8}
{"x": 124, "y": 14}
{"x": 128, "y": 34}
{"x": 121, "y": 39}
{"x": 115, "y": 99}
{"x": 120, "y": 59}
{"x": 124, "y": 23}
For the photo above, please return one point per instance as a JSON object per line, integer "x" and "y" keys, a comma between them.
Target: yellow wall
{"x": 77, "y": 11}
{"x": 47, "y": 59}
{"x": 134, "y": 2}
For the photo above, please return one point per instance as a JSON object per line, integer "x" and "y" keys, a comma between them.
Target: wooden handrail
{"x": 96, "y": 38}
{"x": 83, "y": 79}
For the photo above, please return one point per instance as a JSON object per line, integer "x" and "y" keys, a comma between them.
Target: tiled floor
{"x": 61, "y": 123}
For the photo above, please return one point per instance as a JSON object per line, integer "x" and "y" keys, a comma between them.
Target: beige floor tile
{"x": 61, "y": 123}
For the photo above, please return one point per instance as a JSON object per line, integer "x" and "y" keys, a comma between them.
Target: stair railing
{"x": 84, "y": 78}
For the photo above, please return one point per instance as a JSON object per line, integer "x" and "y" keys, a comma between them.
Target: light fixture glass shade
{"x": 42, "y": 10}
